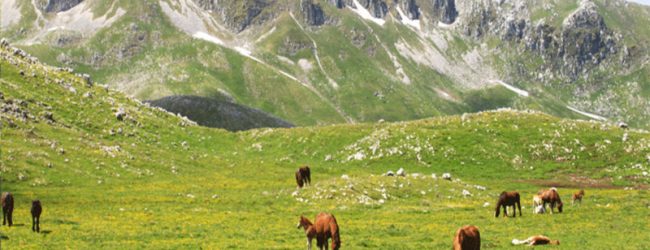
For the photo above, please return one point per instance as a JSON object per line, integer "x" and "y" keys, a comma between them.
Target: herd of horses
{"x": 8, "y": 211}
{"x": 325, "y": 227}
{"x": 467, "y": 237}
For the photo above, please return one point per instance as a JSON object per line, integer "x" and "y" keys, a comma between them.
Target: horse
{"x": 7, "y": 208}
{"x": 467, "y": 238}
{"x": 36, "y": 210}
{"x": 551, "y": 197}
{"x": 536, "y": 240}
{"x": 538, "y": 205}
{"x": 577, "y": 196}
{"x": 508, "y": 199}
{"x": 303, "y": 176}
{"x": 325, "y": 227}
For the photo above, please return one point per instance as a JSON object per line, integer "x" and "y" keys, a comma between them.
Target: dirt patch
{"x": 574, "y": 181}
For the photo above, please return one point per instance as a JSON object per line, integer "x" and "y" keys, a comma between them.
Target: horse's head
{"x": 304, "y": 223}
{"x": 559, "y": 206}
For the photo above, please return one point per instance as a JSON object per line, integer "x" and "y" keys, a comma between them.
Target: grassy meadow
{"x": 153, "y": 180}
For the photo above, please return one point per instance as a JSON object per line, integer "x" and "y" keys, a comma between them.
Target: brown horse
{"x": 467, "y": 238}
{"x": 36, "y": 210}
{"x": 551, "y": 197}
{"x": 536, "y": 240}
{"x": 7, "y": 208}
{"x": 508, "y": 199}
{"x": 325, "y": 227}
{"x": 577, "y": 196}
{"x": 303, "y": 176}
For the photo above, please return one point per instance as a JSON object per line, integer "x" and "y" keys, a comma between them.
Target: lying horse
{"x": 325, "y": 227}
{"x": 536, "y": 240}
{"x": 551, "y": 197}
{"x": 467, "y": 238}
{"x": 578, "y": 196}
{"x": 508, "y": 199}
{"x": 36, "y": 210}
{"x": 7, "y": 208}
{"x": 303, "y": 176}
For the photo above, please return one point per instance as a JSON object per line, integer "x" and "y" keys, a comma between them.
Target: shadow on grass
{"x": 18, "y": 225}
{"x": 64, "y": 222}
{"x": 3, "y": 237}
{"x": 46, "y": 232}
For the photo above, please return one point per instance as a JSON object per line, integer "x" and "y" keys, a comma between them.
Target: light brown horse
{"x": 551, "y": 197}
{"x": 577, "y": 196}
{"x": 467, "y": 238}
{"x": 7, "y": 208}
{"x": 303, "y": 176}
{"x": 508, "y": 199}
{"x": 325, "y": 227}
{"x": 536, "y": 240}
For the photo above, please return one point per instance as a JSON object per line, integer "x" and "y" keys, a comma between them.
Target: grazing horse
{"x": 551, "y": 197}
{"x": 578, "y": 196}
{"x": 36, "y": 215}
{"x": 325, "y": 227}
{"x": 467, "y": 238}
{"x": 303, "y": 176}
{"x": 536, "y": 240}
{"x": 508, "y": 199}
{"x": 7, "y": 208}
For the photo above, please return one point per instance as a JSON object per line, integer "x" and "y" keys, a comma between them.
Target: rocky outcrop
{"x": 585, "y": 40}
{"x": 238, "y": 15}
{"x": 410, "y": 8}
{"x": 59, "y": 5}
{"x": 377, "y": 8}
{"x": 312, "y": 13}
{"x": 445, "y": 11}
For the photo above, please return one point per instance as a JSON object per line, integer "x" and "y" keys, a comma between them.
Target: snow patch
{"x": 407, "y": 21}
{"x": 207, "y": 37}
{"x": 518, "y": 91}
{"x": 10, "y": 13}
{"x": 365, "y": 14}
{"x": 590, "y": 115}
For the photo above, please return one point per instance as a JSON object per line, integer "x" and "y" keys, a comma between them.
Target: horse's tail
{"x": 518, "y": 200}
{"x": 502, "y": 198}
{"x": 336, "y": 237}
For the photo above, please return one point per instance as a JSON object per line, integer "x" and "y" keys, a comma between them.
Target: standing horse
{"x": 578, "y": 196}
{"x": 36, "y": 215}
{"x": 303, "y": 176}
{"x": 536, "y": 240}
{"x": 508, "y": 199}
{"x": 467, "y": 238}
{"x": 538, "y": 204}
{"x": 325, "y": 227}
{"x": 551, "y": 197}
{"x": 7, "y": 208}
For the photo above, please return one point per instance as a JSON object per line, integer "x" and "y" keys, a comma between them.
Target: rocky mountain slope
{"x": 323, "y": 62}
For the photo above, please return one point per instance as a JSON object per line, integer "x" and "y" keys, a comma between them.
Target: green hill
{"x": 114, "y": 173}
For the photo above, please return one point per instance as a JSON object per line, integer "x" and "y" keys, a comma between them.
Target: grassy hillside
{"x": 153, "y": 180}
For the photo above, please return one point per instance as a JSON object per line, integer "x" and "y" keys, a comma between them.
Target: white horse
{"x": 538, "y": 205}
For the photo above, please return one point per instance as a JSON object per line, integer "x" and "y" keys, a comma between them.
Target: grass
{"x": 171, "y": 185}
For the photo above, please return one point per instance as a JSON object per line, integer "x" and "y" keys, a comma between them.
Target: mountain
{"x": 323, "y": 62}
{"x": 219, "y": 114}
{"x": 113, "y": 172}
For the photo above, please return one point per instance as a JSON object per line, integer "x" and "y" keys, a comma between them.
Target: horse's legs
{"x": 4, "y": 217}
{"x": 38, "y": 224}
{"x": 10, "y": 216}
{"x": 552, "y": 207}
{"x": 519, "y": 205}
{"x": 33, "y": 223}
{"x": 308, "y": 243}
